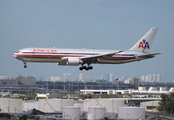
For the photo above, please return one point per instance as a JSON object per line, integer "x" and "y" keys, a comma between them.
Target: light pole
{"x": 69, "y": 88}
{"x": 44, "y": 107}
{"x": 164, "y": 111}
{"x": 72, "y": 88}
{"x": 54, "y": 85}
{"x": 46, "y": 87}
{"x": 99, "y": 85}
{"x": 15, "y": 110}
{"x": 171, "y": 113}
{"x": 158, "y": 92}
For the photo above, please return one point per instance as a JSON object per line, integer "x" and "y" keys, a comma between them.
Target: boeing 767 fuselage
{"x": 76, "y": 57}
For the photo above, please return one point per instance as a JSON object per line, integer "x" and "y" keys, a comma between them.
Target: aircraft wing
{"x": 149, "y": 55}
{"x": 100, "y": 56}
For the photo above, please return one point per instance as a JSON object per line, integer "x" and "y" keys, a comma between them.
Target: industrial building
{"x": 150, "y": 105}
{"x": 90, "y": 109}
{"x": 141, "y": 92}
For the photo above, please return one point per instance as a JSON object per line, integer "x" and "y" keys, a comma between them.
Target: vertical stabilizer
{"x": 145, "y": 43}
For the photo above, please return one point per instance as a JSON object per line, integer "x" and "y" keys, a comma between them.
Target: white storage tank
{"x": 110, "y": 104}
{"x": 131, "y": 113}
{"x": 30, "y": 104}
{"x": 96, "y": 112}
{"x": 90, "y": 116}
{"x": 79, "y": 104}
{"x": 9, "y": 105}
{"x": 71, "y": 113}
{"x": 86, "y": 105}
{"x": 54, "y": 105}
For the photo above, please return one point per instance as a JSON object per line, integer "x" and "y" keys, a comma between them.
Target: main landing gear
{"x": 25, "y": 64}
{"x": 86, "y": 67}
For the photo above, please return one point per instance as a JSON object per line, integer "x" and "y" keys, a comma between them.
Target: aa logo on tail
{"x": 144, "y": 44}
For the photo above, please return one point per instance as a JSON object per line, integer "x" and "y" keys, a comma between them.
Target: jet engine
{"x": 73, "y": 61}
{"x": 70, "y": 61}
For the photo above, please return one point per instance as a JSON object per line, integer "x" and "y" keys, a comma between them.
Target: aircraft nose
{"x": 15, "y": 55}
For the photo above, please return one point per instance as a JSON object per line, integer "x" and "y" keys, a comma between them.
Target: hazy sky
{"x": 99, "y": 24}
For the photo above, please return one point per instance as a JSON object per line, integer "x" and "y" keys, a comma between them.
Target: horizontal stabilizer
{"x": 149, "y": 55}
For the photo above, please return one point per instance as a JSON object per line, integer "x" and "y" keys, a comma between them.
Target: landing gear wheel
{"x": 81, "y": 68}
{"x": 90, "y": 67}
{"x": 87, "y": 68}
{"x": 25, "y": 66}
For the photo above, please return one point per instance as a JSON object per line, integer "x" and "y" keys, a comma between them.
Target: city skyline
{"x": 86, "y": 24}
{"x": 80, "y": 77}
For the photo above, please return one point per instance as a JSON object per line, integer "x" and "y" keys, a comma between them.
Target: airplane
{"x": 86, "y": 57}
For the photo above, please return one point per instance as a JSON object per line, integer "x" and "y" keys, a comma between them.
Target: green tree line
{"x": 167, "y": 103}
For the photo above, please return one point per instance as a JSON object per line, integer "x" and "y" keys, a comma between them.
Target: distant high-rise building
{"x": 101, "y": 77}
{"x": 158, "y": 78}
{"x": 4, "y": 77}
{"x": 150, "y": 78}
{"x": 29, "y": 80}
{"x": 124, "y": 78}
{"x": 41, "y": 79}
{"x": 20, "y": 79}
{"x": 81, "y": 77}
{"x": 154, "y": 77}
{"x": 142, "y": 78}
{"x": 127, "y": 81}
{"x": 57, "y": 78}
{"x": 111, "y": 77}
{"x": 147, "y": 78}
{"x": 69, "y": 76}
{"x": 87, "y": 78}
{"x": 135, "y": 81}
{"x": 54, "y": 78}
{"x": 66, "y": 76}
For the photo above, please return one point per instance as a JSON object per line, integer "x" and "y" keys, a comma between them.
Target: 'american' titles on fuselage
{"x": 44, "y": 50}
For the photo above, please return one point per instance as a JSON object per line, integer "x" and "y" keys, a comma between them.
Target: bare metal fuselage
{"x": 55, "y": 55}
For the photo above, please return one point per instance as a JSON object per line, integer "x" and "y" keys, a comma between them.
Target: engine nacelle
{"x": 73, "y": 61}
{"x": 70, "y": 61}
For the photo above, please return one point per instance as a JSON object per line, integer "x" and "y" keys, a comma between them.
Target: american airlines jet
{"x": 86, "y": 57}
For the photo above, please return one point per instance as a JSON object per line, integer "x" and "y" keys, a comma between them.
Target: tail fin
{"x": 145, "y": 43}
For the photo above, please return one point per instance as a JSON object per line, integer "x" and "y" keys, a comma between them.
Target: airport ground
{"x": 72, "y": 90}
